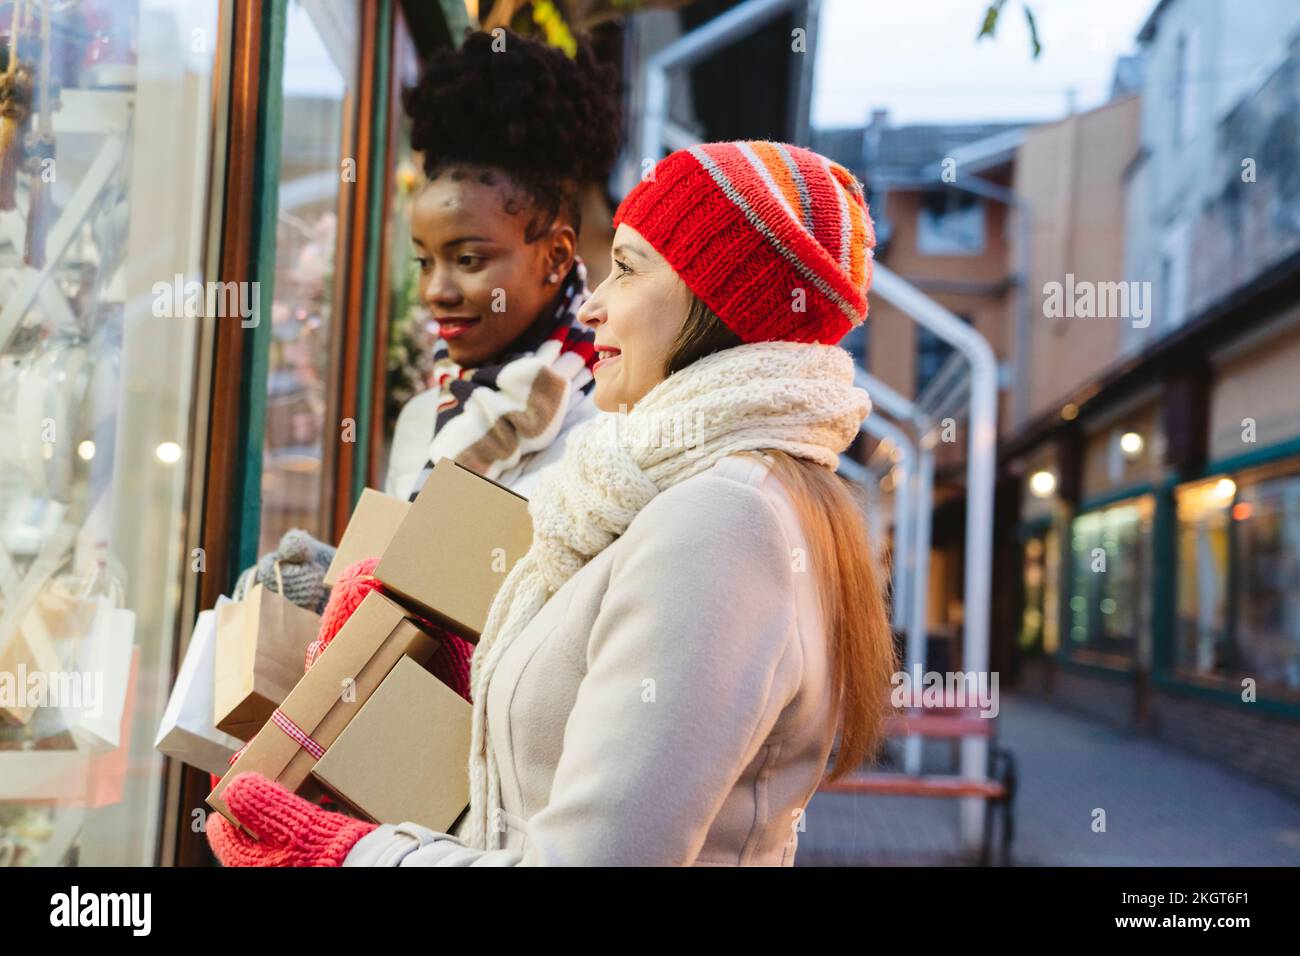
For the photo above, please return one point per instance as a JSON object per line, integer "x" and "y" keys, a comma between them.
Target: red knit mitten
{"x": 292, "y": 831}
{"x": 450, "y": 662}
{"x": 350, "y": 589}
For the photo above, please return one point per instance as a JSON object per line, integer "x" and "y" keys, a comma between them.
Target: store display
{"x": 29, "y": 652}
{"x": 71, "y": 775}
{"x": 40, "y": 156}
{"x": 24, "y": 833}
{"x": 92, "y": 502}
{"x": 104, "y": 660}
{"x": 15, "y": 110}
{"x": 51, "y": 393}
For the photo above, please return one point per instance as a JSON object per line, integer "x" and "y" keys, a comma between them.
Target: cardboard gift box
{"x": 378, "y": 634}
{"x": 374, "y": 521}
{"x": 461, "y": 537}
{"x": 261, "y": 646}
{"x": 405, "y": 756}
{"x": 186, "y": 731}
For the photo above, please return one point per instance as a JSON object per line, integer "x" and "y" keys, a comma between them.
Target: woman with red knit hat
{"x": 662, "y": 676}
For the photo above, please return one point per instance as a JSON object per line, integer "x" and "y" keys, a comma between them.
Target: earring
{"x": 553, "y": 278}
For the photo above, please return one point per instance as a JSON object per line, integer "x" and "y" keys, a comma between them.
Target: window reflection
{"x": 1110, "y": 592}
{"x": 304, "y": 315}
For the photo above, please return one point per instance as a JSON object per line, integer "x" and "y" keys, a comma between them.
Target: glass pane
{"x": 318, "y": 73}
{"x": 1267, "y": 524}
{"x": 1109, "y": 595}
{"x": 101, "y": 239}
{"x": 1203, "y": 511}
{"x": 411, "y": 333}
{"x": 1031, "y": 624}
{"x": 1052, "y": 592}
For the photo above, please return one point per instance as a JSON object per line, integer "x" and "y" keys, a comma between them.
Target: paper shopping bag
{"x": 104, "y": 667}
{"x": 187, "y": 731}
{"x": 261, "y": 643}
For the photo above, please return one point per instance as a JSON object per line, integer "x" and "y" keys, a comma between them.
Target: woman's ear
{"x": 562, "y": 251}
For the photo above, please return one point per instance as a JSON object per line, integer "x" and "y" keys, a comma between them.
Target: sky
{"x": 920, "y": 60}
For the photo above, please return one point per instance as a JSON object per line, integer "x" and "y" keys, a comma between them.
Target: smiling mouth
{"x": 607, "y": 354}
{"x": 454, "y": 326}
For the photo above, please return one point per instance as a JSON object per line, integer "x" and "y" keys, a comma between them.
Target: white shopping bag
{"x": 103, "y": 672}
{"x": 187, "y": 731}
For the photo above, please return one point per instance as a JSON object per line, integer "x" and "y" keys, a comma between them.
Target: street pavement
{"x": 1163, "y": 806}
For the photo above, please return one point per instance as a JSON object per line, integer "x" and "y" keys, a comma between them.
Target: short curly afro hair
{"x": 547, "y": 122}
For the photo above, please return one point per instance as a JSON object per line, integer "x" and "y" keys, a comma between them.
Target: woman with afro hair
{"x": 510, "y": 135}
{"x": 511, "y": 131}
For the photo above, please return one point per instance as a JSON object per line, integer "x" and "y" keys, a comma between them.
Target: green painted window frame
{"x": 256, "y": 359}
{"x": 372, "y": 281}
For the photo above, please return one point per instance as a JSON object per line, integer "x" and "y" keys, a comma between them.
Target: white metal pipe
{"x": 952, "y": 371}
{"x": 918, "y": 636}
{"x": 980, "y": 465}
{"x": 918, "y": 571}
{"x": 902, "y": 408}
{"x": 723, "y": 30}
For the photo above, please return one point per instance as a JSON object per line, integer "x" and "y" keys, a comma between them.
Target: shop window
{"x": 412, "y": 334}
{"x": 1202, "y": 643}
{"x": 103, "y": 210}
{"x": 302, "y": 426}
{"x": 1239, "y": 579}
{"x": 1110, "y": 603}
{"x": 950, "y": 223}
{"x": 1039, "y": 630}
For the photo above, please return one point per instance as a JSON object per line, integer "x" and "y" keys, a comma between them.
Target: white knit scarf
{"x": 791, "y": 397}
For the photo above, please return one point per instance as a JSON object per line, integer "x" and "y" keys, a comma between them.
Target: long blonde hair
{"x": 863, "y": 656}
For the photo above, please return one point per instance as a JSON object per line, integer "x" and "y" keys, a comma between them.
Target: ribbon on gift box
{"x": 293, "y": 731}
{"x": 303, "y": 739}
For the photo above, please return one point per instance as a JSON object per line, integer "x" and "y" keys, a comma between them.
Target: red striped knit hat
{"x": 775, "y": 239}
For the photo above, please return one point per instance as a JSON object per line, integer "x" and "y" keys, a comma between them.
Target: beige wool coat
{"x": 669, "y": 705}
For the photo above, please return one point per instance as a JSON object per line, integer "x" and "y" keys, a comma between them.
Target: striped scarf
{"x": 490, "y": 417}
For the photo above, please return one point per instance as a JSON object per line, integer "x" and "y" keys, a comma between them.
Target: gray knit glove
{"x": 303, "y": 562}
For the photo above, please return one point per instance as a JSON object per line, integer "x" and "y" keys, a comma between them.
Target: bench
{"x": 997, "y": 788}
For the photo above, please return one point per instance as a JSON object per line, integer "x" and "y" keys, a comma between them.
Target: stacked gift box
{"x": 369, "y": 723}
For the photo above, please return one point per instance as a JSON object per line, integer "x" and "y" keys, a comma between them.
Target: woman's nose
{"x": 439, "y": 289}
{"x": 591, "y": 313}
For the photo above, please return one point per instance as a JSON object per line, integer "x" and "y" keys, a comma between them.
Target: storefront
{"x": 202, "y": 273}
{"x": 1161, "y": 586}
